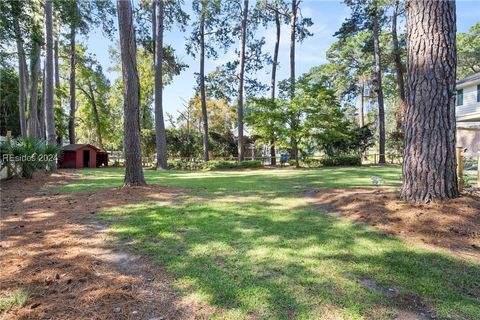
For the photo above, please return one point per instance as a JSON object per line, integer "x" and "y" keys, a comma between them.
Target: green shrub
{"x": 250, "y": 164}
{"x": 31, "y": 154}
{"x": 310, "y": 163}
{"x": 341, "y": 161}
{"x": 214, "y": 165}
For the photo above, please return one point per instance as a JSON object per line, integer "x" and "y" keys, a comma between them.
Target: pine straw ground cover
{"x": 295, "y": 244}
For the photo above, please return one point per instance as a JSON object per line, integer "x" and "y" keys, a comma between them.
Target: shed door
{"x": 86, "y": 158}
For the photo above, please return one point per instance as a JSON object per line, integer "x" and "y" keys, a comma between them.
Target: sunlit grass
{"x": 251, "y": 244}
{"x": 15, "y": 299}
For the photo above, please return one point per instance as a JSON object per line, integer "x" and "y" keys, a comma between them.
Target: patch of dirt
{"x": 453, "y": 225}
{"x": 53, "y": 246}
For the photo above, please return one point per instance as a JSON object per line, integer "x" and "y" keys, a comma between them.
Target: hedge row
{"x": 341, "y": 161}
{"x": 332, "y": 161}
{"x": 214, "y": 165}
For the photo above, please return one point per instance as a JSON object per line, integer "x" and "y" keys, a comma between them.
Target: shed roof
{"x": 75, "y": 147}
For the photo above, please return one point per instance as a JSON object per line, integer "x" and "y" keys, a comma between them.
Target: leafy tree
{"x": 266, "y": 120}
{"x": 94, "y": 87}
{"x": 221, "y": 115}
{"x": 81, "y": 17}
{"x": 369, "y": 15}
{"x": 298, "y": 32}
{"x": 209, "y": 31}
{"x": 9, "y": 111}
{"x": 276, "y": 11}
{"x": 468, "y": 51}
{"x": 183, "y": 144}
{"x": 16, "y": 23}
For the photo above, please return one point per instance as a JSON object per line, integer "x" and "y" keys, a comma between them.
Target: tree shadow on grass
{"x": 297, "y": 263}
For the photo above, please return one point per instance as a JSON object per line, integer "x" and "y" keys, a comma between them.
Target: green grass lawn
{"x": 251, "y": 245}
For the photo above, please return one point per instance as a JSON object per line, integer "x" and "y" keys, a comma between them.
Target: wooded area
{"x": 316, "y": 113}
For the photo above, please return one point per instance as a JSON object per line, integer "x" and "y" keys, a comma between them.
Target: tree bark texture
{"x": 429, "y": 165}
{"x": 22, "y": 79}
{"x": 160, "y": 135}
{"x": 241, "y": 75}
{"x": 203, "y": 97}
{"x": 56, "y": 67}
{"x": 398, "y": 67}
{"x": 49, "y": 114}
{"x": 33, "y": 122}
{"x": 41, "y": 114}
{"x": 128, "y": 48}
{"x": 73, "y": 97}
{"x": 378, "y": 86}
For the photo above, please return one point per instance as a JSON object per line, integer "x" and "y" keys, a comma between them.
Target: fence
{"x": 116, "y": 158}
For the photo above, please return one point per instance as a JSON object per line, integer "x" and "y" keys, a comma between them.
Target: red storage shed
{"x": 77, "y": 156}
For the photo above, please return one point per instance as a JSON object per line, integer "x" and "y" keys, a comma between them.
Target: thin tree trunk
{"x": 429, "y": 154}
{"x": 378, "y": 86}
{"x": 362, "y": 97}
{"x": 241, "y": 75}
{"x": 203, "y": 97}
{"x": 49, "y": 114}
{"x": 41, "y": 115}
{"x": 160, "y": 137}
{"x": 96, "y": 115}
{"x": 73, "y": 97}
{"x": 33, "y": 123}
{"x": 398, "y": 66}
{"x": 22, "y": 79}
{"x": 128, "y": 48}
{"x": 273, "y": 158}
{"x": 57, "y": 69}
{"x": 154, "y": 25}
{"x": 275, "y": 56}
{"x": 293, "y": 28}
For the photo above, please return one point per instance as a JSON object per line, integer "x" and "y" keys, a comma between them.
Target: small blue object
{"x": 284, "y": 157}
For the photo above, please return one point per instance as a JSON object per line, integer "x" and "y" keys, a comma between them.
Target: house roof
{"x": 474, "y": 78}
{"x": 75, "y": 147}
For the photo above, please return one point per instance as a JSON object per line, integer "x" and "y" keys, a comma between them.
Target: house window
{"x": 459, "y": 97}
{"x": 478, "y": 93}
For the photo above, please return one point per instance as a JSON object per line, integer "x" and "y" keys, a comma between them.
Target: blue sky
{"x": 327, "y": 16}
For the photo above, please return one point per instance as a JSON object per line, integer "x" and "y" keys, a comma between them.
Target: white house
{"x": 468, "y": 114}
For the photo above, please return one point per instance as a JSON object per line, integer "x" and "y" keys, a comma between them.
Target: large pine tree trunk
{"x": 49, "y": 114}
{"x": 429, "y": 154}
{"x": 203, "y": 98}
{"x": 22, "y": 78}
{"x": 241, "y": 75}
{"x": 398, "y": 66}
{"x": 73, "y": 97}
{"x": 33, "y": 122}
{"x": 293, "y": 36}
{"x": 160, "y": 135}
{"x": 273, "y": 158}
{"x": 378, "y": 85}
{"x": 131, "y": 104}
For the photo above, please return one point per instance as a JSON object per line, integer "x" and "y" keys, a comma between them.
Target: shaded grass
{"x": 250, "y": 244}
{"x": 15, "y": 299}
